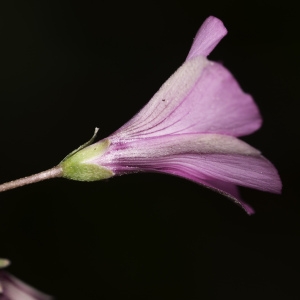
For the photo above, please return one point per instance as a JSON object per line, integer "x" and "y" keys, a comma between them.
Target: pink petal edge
{"x": 208, "y": 37}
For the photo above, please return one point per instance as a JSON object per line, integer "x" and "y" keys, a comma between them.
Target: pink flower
{"x": 188, "y": 129}
{"x": 12, "y": 288}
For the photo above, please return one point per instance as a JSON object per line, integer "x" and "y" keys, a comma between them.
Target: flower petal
{"x": 200, "y": 97}
{"x": 14, "y": 289}
{"x": 207, "y": 38}
{"x": 229, "y": 190}
{"x": 216, "y": 161}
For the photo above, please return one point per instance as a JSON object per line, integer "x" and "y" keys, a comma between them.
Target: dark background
{"x": 69, "y": 66}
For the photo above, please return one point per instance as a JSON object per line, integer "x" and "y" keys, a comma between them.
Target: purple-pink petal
{"x": 207, "y": 38}
{"x": 229, "y": 190}
{"x": 14, "y": 289}
{"x": 213, "y": 160}
{"x": 200, "y": 97}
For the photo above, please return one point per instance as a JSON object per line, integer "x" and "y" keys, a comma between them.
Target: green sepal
{"x": 4, "y": 263}
{"x": 89, "y": 142}
{"x": 76, "y": 165}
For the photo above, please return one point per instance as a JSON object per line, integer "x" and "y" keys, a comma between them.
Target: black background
{"x": 69, "y": 66}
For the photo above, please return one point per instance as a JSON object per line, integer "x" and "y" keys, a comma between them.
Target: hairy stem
{"x": 51, "y": 173}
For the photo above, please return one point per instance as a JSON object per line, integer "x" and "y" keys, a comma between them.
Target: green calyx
{"x": 76, "y": 165}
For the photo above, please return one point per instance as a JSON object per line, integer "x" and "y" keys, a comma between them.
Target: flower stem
{"x": 51, "y": 173}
